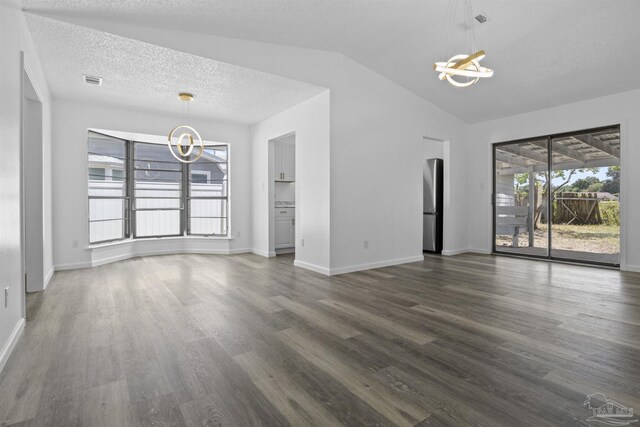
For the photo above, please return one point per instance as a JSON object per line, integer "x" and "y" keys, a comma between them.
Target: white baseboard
{"x": 633, "y": 268}
{"x": 240, "y": 251}
{"x": 451, "y": 252}
{"x": 263, "y": 253}
{"x": 285, "y": 251}
{"x": 312, "y": 267}
{"x": 120, "y": 257}
{"x": 11, "y": 343}
{"x": 479, "y": 251}
{"x": 72, "y": 266}
{"x": 48, "y": 277}
{"x": 377, "y": 264}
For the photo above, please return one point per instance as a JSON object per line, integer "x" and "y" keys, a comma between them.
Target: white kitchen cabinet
{"x": 284, "y": 161}
{"x": 289, "y": 162}
{"x": 285, "y": 228}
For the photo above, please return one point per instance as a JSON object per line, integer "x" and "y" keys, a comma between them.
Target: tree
{"x": 590, "y": 183}
{"x": 541, "y": 187}
{"x": 612, "y": 185}
{"x": 596, "y": 187}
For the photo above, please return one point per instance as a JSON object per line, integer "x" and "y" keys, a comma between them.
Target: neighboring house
{"x": 105, "y": 168}
{"x": 606, "y": 197}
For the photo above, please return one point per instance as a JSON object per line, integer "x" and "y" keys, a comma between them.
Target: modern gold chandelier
{"x": 181, "y": 139}
{"x": 463, "y": 65}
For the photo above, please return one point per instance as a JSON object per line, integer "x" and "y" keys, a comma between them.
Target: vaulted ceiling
{"x": 544, "y": 52}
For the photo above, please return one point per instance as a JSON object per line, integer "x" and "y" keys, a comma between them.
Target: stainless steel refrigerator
{"x": 433, "y": 177}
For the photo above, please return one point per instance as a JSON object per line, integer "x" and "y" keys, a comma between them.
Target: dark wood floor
{"x": 243, "y": 340}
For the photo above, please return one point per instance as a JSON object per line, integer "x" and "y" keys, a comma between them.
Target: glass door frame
{"x": 549, "y": 138}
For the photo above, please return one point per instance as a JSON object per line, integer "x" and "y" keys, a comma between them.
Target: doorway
{"x": 282, "y": 195}
{"x": 558, "y": 196}
{"x": 433, "y": 148}
{"x": 32, "y": 186}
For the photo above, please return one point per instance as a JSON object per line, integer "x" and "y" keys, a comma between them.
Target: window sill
{"x": 126, "y": 242}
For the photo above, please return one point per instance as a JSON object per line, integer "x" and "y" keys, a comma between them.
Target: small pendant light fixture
{"x": 181, "y": 138}
{"x": 463, "y": 65}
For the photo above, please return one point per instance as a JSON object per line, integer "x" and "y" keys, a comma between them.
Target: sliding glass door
{"x": 585, "y": 223}
{"x": 519, "y": 197}
{"x": 558, "y": 196}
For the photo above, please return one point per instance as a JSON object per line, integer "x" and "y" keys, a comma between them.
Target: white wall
{"x": 622, "y": 109}
{"x": 14, "y": 38}
{"x": 71, "y": 119}
{"x": 433, "y": 149}
{"x": 377, "y": 131}
{"x": 310, "y": 122}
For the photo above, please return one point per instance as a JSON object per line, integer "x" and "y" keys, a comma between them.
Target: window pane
{"x": 157, "y": 223}
{"x": 208, "y": 208}
{"x": 157, "y": 187}
{"x": 157, "y": 176}
{"x": 585, "y": 220}
{"x": 208, "y": 226}
{"x": 521, "y": 212}
{"x": 208, "y": 189}
{"x": 154, "y": 156}
{"x": 103, "y": 148}
{"x": 157, "y": 190}
{"x": 208, "y": 179}
{"x": 106, "y": 230}
{"x": 106, "y": 187}
{"x": 156, "y": 165}
{"x": 158, "y": 203}
{"x": 213, "y": 163}
{"x": 101, "y": 209}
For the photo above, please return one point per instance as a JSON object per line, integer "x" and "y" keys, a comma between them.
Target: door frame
{"x": 549, "y": 257}
{"x": 27, "y": 77}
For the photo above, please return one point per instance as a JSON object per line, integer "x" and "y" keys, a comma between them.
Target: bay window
{"x": 139, "y": 190}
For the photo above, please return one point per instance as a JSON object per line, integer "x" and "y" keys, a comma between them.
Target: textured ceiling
{"x": 143, "y": 75}
{"x": 544, "y": 52}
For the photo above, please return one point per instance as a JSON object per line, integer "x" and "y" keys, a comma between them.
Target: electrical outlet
{"x": 6, "y": 297}
{"x": 366, "y": 244}
{"x": 75, "y": 244}
{"x": 238, "y": 234}
{"x": 302, "y": 242}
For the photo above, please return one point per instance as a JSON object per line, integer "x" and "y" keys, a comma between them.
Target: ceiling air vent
{"x": 482, "y": 18}
{"x": 93, "y": 80}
